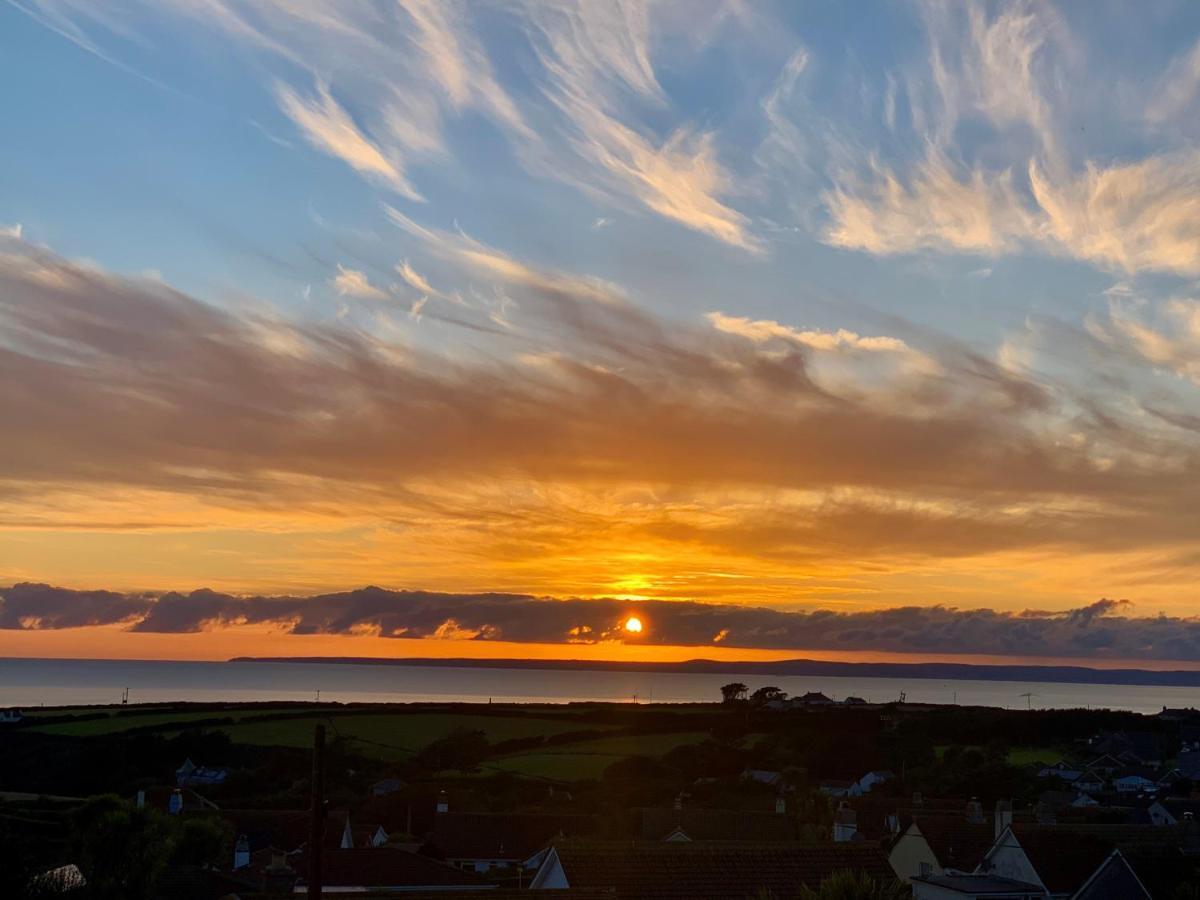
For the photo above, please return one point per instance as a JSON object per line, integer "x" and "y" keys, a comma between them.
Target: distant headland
{"x": 796, "y": 667}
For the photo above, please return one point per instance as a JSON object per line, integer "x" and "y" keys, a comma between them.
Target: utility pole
{"x": 316, "y": 832}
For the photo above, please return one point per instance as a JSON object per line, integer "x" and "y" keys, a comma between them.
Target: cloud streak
{"x": 1101, "y": 631}
{"x": 588, "y": 428}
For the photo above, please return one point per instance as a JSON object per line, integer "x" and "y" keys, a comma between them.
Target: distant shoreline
{"x": 792, "y": 667}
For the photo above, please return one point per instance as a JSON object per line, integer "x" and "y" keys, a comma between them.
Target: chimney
{"x": 141, "y": 799}
{"x": 175, "y": 804}
{"x": 443, "y": 802}
{"x": 241, "y": 853}
{"x": 1004, "y": 813}
{"x": 845, "y": 824}
{"x": 780, "y": 805}
{"x": 278, "y": 877}
{"x": 892, "y": 822}
{"x": 975, "y": 811}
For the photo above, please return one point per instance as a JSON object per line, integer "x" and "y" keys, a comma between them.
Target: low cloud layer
{"x": 591, "y": 447}
{"x": 1103, "y": 630}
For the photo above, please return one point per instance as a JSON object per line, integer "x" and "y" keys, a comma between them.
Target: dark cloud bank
{"x": 1102, "y": 630}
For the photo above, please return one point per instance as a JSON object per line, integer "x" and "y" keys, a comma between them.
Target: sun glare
{"x": 633, "y": 625}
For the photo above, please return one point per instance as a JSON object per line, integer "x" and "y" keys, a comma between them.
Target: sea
{"x": 31, "y": 683}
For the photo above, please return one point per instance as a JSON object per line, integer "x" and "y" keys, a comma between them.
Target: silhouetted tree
{"x": 120, "y": 849}
{"x": 733, "y": 692}
{"x": 765, "y": 695}
{"x": 461, "y": 749}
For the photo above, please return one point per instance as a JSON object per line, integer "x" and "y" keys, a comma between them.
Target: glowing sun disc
{"x": 633, "y": 625}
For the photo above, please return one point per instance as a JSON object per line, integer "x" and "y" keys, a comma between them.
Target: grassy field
{"x": 390, "y": 735}
{"x": 113, "y": 724}
{"x": 589, "y": 759}
{"x": 1017, "y": 756}
{"x": 1024, "y": 756}
{"x": 411, "y": 731}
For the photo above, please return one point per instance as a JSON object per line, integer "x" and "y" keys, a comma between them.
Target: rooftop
{"x": 716, "y": 870}
{"x": 977, "y": 885}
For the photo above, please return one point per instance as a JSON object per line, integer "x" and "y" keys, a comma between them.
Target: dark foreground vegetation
{"x": 106, "y": 790}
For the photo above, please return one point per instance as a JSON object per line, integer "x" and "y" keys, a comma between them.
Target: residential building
{"x": 482, "y": 842}
{"x": 709, "y": 870}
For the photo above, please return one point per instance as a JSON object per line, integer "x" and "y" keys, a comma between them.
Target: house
{"x": 1056, "y": 859}
{"x": 1090, "y": 782}
{"x": 1132, "y": 783}
{"x": 870, "y": 780}
{"x": 386, "y": 786}
{"x": 938, "y": 845}
{"x": 1106, "y": 764}
{"x": 713, "y": 870}
{"x": 694, "y": 824}
{"x": 1173, "y": 810}
{"x": 1139, "y": 748}
{"x": 353, "y": 871}
{"x": 191, "y": 882}
{"x": 833, "y": 787}
{"x": 845, "y": 825}
{"x": 1114, "y": 878}
{"x": 763, "y": 776}
{"x": 1182, "y": 714}
{"x": 11, "y": 717}
{"x": 854, "y": 701}
{"x": 286, "y": 830}
{"x": 1061, "y": 770}
{"x": 482, "y": 842}
{"x": 1062, "y": 858}
{"x": 973, "y": 887}
{"x": 1189, "y": 765}
{"x": 173, "y": 800}
{"x": 1063, "y": 800}
{"x": 812, "y": 698}
{"x": 192, "y": 775}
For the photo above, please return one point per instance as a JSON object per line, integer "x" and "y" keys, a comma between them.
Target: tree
{"x": 848, "y": 885}
{"x": 202, "y": 841}
{"x": 734, "y": 692}
{"x": 765, "y": 695}
{"x": 120, "y": 849}
{"x": 462, "y": 749}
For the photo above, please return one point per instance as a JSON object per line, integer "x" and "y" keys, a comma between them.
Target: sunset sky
{"x": 854, "y": 329}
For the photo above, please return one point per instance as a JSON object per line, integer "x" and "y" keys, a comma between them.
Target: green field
{"x": 589, "y": 759}
{"x": 1017, "y": 756}
{"x": 114, "y": 724}
{"x": 1024, "y": 756}
{"x": 392, "y": 735}
{"x": 623, "y": 745}
{"x": 410, "y": 731}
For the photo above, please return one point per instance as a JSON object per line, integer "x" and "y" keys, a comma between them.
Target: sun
{"x": 633, "y": 625}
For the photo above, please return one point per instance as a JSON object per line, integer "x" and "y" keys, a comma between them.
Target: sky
{"x": 417, "y": 327}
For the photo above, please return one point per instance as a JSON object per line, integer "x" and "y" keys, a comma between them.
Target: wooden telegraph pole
{"x": 316, "y": 832}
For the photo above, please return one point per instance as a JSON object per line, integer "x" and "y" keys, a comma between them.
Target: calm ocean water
{"x": 45, "y": 682}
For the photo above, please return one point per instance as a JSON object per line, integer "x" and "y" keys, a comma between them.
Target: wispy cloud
{"x": 1176, "y": 93}
{"x": 593, "y": 58}
{"x": 329, "y": 127}
{"x": 414, "y": 279}
{"x": 1130, "y": 218}
{"x": 353, "y": 283}
{"x": 763, "y": 330}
